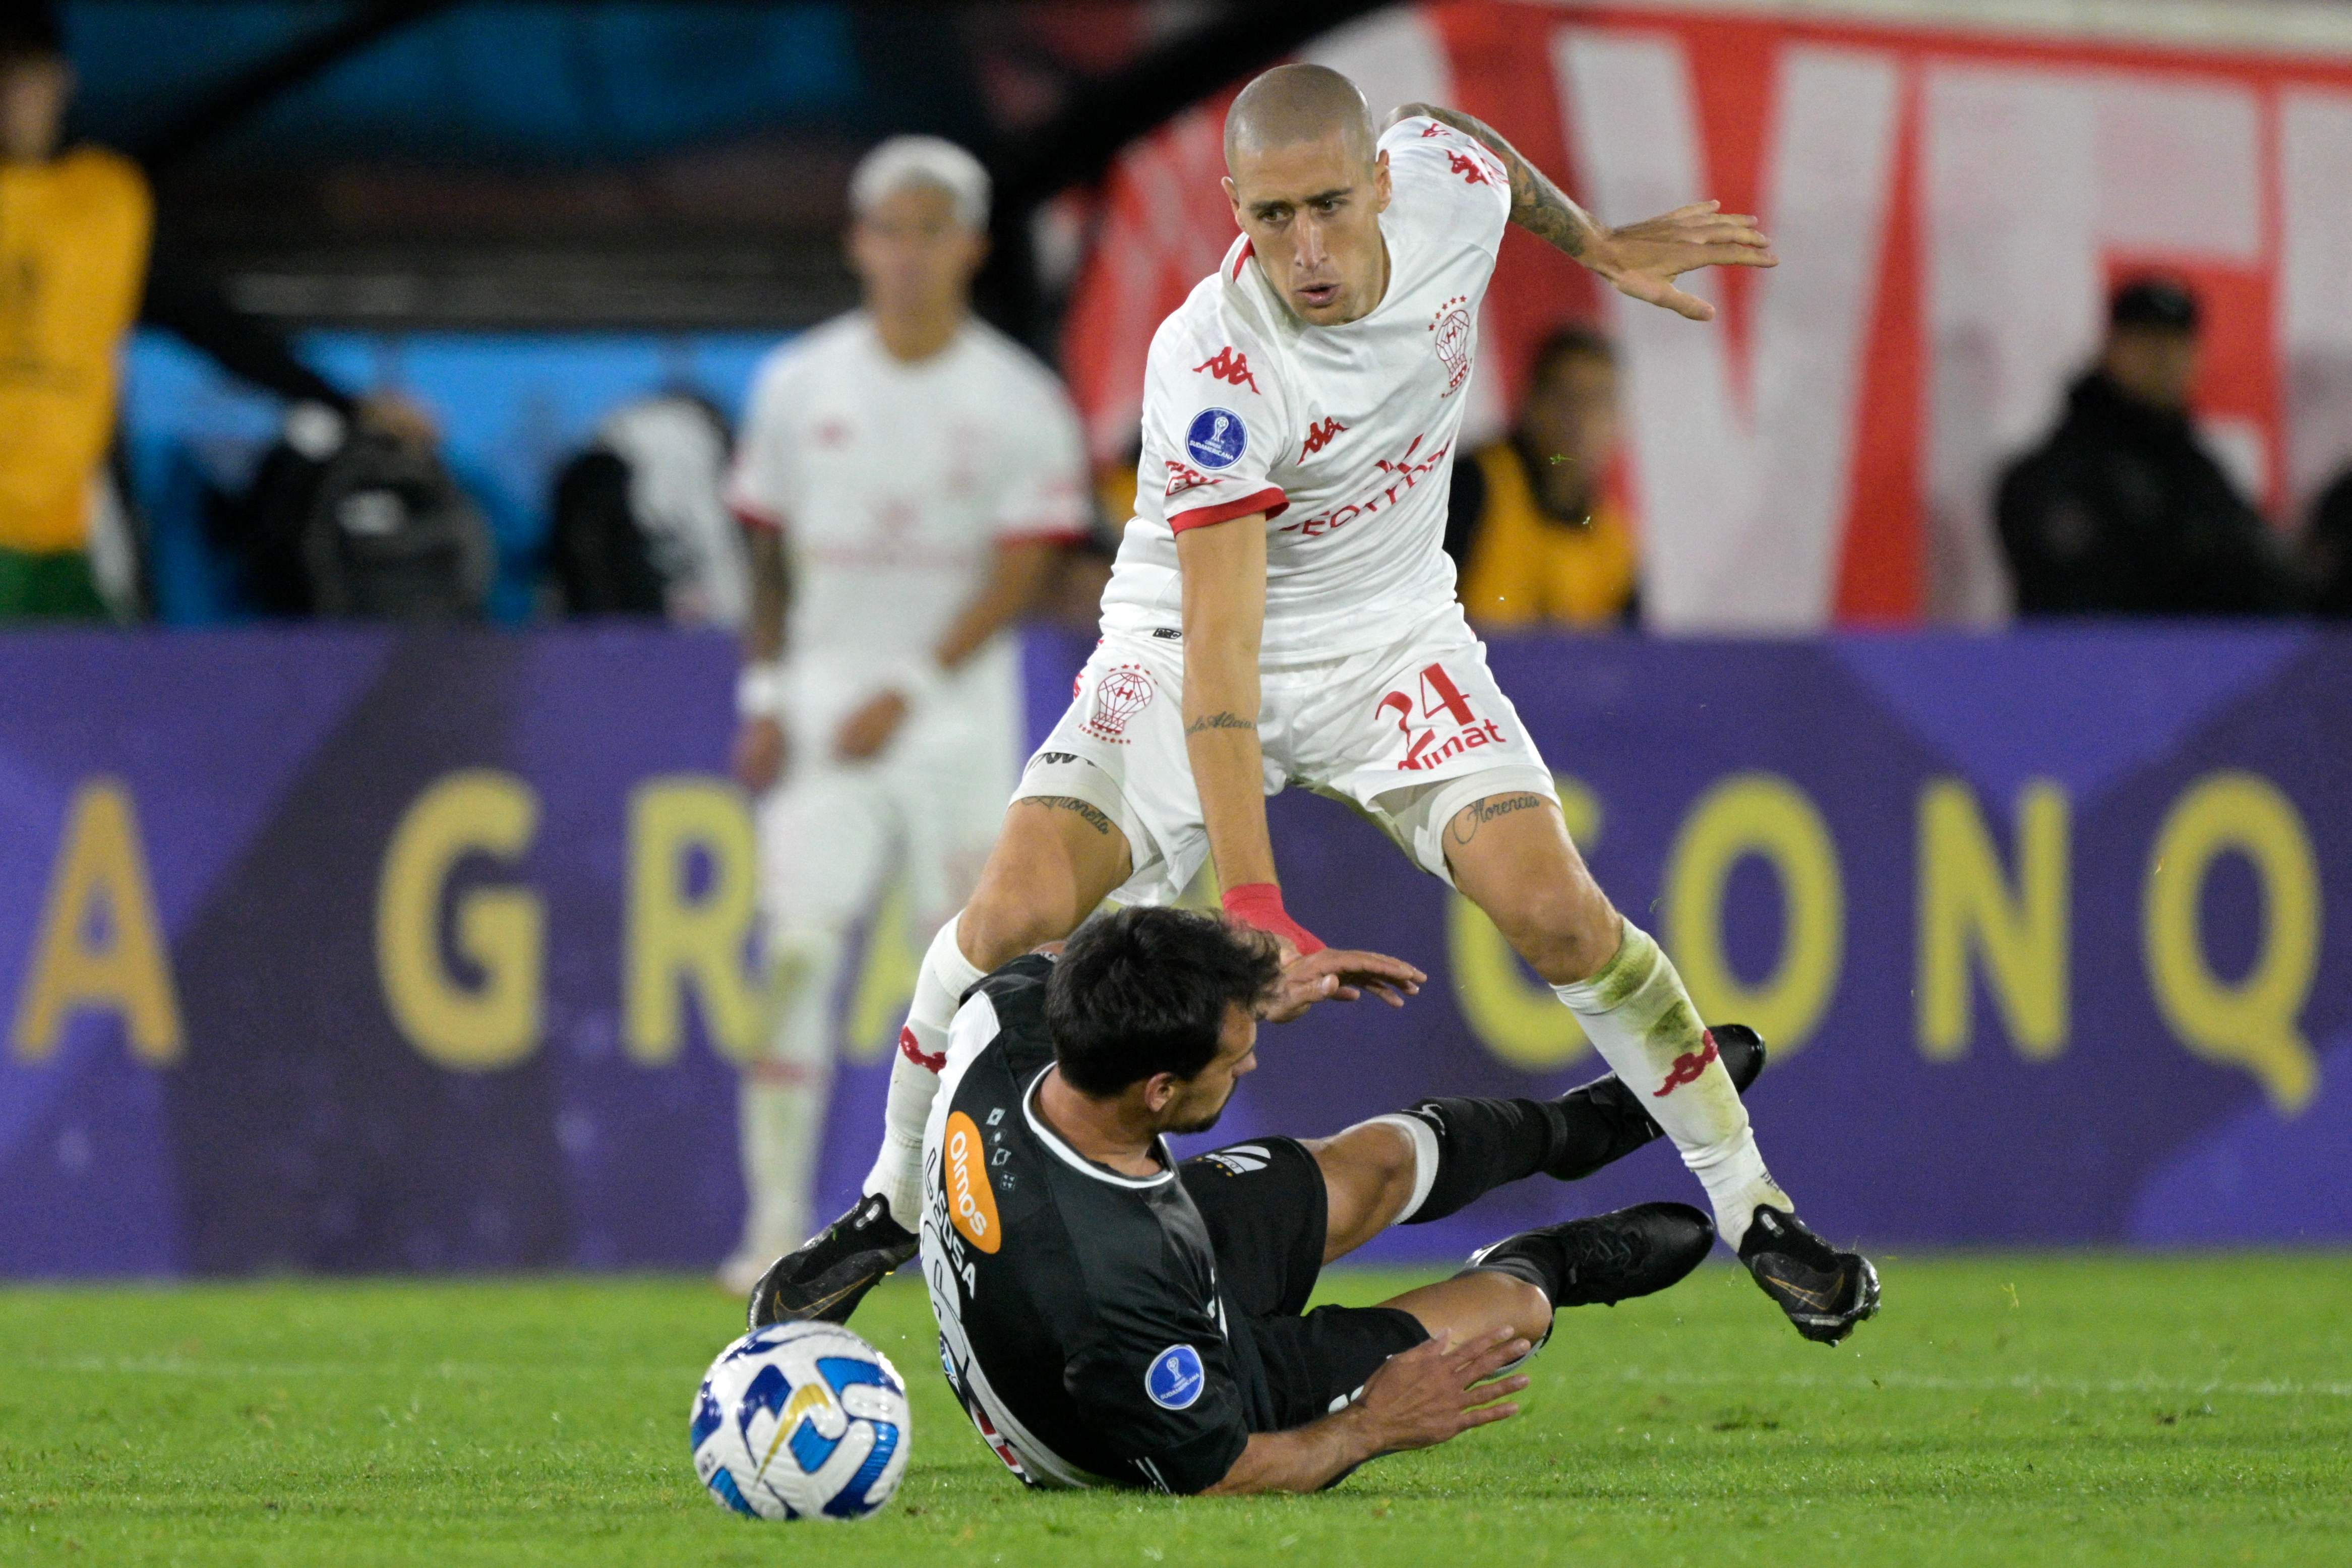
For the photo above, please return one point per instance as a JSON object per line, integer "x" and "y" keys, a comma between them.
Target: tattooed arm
{"x": 1641, "y": 259}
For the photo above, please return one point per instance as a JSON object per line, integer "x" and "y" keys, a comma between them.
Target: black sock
{"x": 1483, "y": 1145}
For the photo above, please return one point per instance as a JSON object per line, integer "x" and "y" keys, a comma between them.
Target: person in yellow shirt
{"x": 1537, "y": 533}
{"x": 73, "y": 257}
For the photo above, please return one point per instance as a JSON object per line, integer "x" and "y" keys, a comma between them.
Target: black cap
{"x": 2154, "y": 302}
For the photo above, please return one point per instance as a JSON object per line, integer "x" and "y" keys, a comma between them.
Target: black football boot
{"x": 1824, "y": 1292}
{"x": 824, "y": 1281}
{"x": 1609, "y": 1121}
{"x": 1608, "y": 1258}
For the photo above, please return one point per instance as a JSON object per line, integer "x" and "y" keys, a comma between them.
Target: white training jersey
{"x": 893, "y": 484}
{"x": 1343, "y": 435}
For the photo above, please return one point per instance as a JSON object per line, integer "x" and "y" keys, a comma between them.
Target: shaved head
{"x": 1292, "y": 104}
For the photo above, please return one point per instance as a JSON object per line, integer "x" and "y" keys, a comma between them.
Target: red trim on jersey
{"x": 1269, "y": 500}
{"x": 750, "y": 516}
{"x": 1249, "y": 248}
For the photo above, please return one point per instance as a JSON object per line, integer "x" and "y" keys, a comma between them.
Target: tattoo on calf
{"x": 1219, "y": 721}
{"x": 1092, "y": 815}
{"x": 1478, "y": 813}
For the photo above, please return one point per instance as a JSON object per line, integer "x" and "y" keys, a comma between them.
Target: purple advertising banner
{"x": 360, "y": 951}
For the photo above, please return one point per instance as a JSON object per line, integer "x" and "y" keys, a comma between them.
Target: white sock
{"x": 898, "y": 1173}
{"x": 780, "y": 1104}
{"x": 1641, "y": 1019}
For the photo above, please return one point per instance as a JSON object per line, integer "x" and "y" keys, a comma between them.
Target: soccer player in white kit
{"x": 1282, "y": 612}
{"x": 909, "y": 476}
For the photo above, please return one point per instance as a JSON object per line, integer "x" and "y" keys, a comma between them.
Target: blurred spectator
{"x": 360, "y": 518}
{"x": 641, "y": 525}
{"x": 1533, "y": 528}
{"x": 73, "y": 254}
{"x": 2328, "y": 549}
{"x": 2123, "y": 510}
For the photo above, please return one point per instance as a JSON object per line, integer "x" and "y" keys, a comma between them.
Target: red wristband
{"x": 1259, "y": 904}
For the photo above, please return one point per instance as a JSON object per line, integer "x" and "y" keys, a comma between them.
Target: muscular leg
{"x": 1510, "y": 854}
{"x": 1055, "y": 860}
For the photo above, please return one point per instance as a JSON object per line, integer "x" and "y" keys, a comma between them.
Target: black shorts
{"x": 1266, "y": 1211}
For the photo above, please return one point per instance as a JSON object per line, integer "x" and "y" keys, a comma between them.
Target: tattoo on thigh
{"x": 1093, "y": 815}
{"x": 1219, "y": 721}
{"x": 1478, "y": 813}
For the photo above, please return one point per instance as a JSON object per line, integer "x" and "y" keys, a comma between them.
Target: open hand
{"x": 870, "y": 729}
{"x": 1643, "y": 260}
{"x": 1439, "y": 1390}
{"x": 1340, "y": 974}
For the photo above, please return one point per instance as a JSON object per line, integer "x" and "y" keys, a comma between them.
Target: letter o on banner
{"x": 2256, "y": 1023}
{"x": 1765, "y": 816}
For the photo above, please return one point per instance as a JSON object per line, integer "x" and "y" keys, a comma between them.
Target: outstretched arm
{"x": 1016, "y": 578}
{"x": 1641, "y": 259}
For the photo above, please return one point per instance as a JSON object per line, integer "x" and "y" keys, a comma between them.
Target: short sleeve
{"x": 759, "y": 484}
{"x": 1041, "y": 484}
{"x": 1213, "y": 424}
{"x": 1454, "y": 178}
{"x": 1158, "y": 1391}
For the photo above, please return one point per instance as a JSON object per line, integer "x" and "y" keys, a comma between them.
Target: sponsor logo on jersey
{"x": 1049, "y": 758}
{"x": 1470, "y": 168}
{"x": 1181, "y": 477}
{"x": 971, "y": 1202}
{"x": 1122, "y": 693}
{"x": 1450, "y": 328}
{"x": 1401, "y": 475}
{"x": 1175, "y": 1378}
{"x": 1320, "y": 437}
{"x": 1688, "y": 1068}
{"x": 1228, "y": 365}
{"x": 1168, "y": 633}
{"x": 1216, "y": 439}
{"x": 1240, "y": 1159}
{"x": 912, "y": 1049}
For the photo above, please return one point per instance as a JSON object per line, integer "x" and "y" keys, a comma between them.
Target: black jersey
{"x": 1078, "y": 1308}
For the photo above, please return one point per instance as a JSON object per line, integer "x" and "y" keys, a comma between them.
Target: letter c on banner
{"x": 501, "y": 930}
{"x": 1766, "y": 815}
{"x": 2255, "y": 1024}
{"x": 1514, "y": 1015}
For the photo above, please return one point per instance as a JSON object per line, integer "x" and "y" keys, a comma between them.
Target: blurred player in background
{"x": 1282, "y": 611}
{"x": 909, "y": 477}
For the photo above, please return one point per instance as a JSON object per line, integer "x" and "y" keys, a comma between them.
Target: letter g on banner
{"x": 2256, "y": 1023}
{"x": 499, "y": 931}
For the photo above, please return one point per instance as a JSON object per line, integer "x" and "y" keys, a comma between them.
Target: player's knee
{"x": 999, "y": 925}
{"x": 1565, "y": 933}
{"x": 1528, "y": 1311}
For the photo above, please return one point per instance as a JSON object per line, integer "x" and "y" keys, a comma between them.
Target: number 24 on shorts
{"x": 1439, "y": 695}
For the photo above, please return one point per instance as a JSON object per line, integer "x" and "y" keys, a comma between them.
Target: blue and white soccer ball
{"x": 801, "y": 1420}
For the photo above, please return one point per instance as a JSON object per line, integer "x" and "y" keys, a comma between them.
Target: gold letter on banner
{"x": 2255, "y": 1024}
{"x": 674, "y": 942}
{"x": 501, "y": 930}
{"x": 100, "y": 945}
{"x": 1965, "y": 901}
{"x": 1762, "y": 815}
{"x": 1518, "y": 1018}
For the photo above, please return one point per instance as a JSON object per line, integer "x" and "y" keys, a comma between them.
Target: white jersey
{"x": 893, "y": 484}
{"x": 1343, "y": 435}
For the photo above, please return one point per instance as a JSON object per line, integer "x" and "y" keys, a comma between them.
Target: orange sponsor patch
{"x": 971, "y": 1202}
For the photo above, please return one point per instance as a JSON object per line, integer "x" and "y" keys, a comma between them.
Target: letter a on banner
{"x": 100, "y": 945}
{"x": 1743, "y": 508}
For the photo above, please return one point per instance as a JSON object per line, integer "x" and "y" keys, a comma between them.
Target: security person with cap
{"x": 2123, "y": 510}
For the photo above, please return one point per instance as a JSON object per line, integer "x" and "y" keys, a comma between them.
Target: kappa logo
{"x": 1181, "y": 477}
{"x": 1469, "y": 168}
{"x": 1450, "y": 326}
{"x": 1122, "y": 693}
{"x": 1435, "y": 128}
{"x": 1688, "y": 1068}
{"x": 1227, "y": 364}
{"x": 1320, "y": 437}
{"x": 1175, "y": 1378}
{"x": 911, "y": 1048}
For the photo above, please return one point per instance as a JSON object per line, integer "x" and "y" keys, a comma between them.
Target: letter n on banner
{"x": 1966, "y": 902}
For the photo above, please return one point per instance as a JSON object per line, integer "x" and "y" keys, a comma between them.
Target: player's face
{"x": 1201, "y": 1099}
{"x": 1312, "y": 212}
{"x": 911, "y": 255}
{"x": 32, "y": 93}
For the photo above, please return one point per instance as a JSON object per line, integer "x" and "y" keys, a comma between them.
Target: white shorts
{"x": 1409, "y": 734}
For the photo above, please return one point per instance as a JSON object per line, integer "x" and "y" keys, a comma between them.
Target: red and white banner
{"x": 1950, "y": 207}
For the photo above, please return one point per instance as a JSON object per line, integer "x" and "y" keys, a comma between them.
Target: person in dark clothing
{"x": 2123, "y": 510}
{"x": 2328, "y": 549}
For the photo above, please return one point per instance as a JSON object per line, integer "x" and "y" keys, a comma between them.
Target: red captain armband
{"x": 1259, "y": 904}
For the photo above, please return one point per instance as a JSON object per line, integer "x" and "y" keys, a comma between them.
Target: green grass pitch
{"x": 2003, "y": 1409}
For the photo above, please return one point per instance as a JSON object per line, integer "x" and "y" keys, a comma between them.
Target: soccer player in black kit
{"x": 1108, "y": 1315}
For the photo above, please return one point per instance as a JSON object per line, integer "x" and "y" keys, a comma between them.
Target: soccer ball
{"x": 801, "y": 1419}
